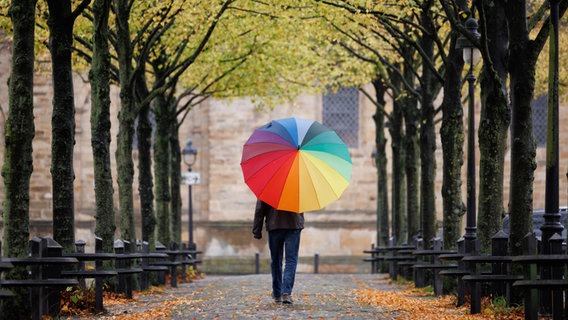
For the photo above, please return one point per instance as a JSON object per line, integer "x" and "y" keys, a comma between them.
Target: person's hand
{"x": 257, "y": 236}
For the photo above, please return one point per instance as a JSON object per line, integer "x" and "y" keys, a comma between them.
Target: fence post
{"x": 173, "y": 269}
{"x": 419, "y": 276}
{"x": 557, "y": 272}
{"x": 145, "y": 278}
{"x": 80, "y": 248}
{"x": 52, "y": 271}
{"x": 316, "y": 263}
{"x": 119, "y": 265}
{"x": 461, "y": 286}
{"x": 160, "y": 247}
{"x": 98, "y": 280}
{"x": 529, "y": 247}
{"x": 257, "y": 263}
{"x": 184, "y": 257}
{"x": 437, "y": 245}
{"x": 392, "y": 263}
{"x": 36, "y": 293}
{"x": 499, "y": 247}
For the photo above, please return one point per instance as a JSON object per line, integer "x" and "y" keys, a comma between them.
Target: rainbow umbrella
{"x": 296, "y": 164}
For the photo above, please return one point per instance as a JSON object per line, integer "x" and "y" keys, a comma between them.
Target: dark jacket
{"x": 275, "y": 219}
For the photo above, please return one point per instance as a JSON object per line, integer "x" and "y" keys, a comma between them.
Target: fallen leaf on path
{"x": 412, "y": 303}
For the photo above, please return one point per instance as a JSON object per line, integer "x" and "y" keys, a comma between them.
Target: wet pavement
{"x": 316, "y": 296}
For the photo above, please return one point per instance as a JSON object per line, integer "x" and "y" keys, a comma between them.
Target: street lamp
{"x": 471, "y": 56}
{"x": 552, "y": 217}
{"x": 189, "y": 153}
{"x": 552, "y": 214}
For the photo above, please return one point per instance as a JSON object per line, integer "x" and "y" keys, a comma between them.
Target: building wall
{"x": 345, "y": 227}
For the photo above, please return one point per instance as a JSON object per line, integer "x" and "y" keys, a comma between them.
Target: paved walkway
{"x": 316, "y": 296}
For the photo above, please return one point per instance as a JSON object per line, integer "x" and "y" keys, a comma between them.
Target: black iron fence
{"x": 48, "y": 270}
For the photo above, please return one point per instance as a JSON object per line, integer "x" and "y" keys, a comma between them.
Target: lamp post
{"x": 552, "y": 214}
{"x": 471, "y": 56}
{"x": 189, "y": 153}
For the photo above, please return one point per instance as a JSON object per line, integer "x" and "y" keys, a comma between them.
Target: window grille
{"x": 341, "y": 113}
{"x": 539, "y": 113}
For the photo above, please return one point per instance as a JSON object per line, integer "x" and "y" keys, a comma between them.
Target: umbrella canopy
{"x": 296, "y": 164}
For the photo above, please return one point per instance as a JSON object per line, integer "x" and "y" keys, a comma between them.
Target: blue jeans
{"x": 280, "y": 241}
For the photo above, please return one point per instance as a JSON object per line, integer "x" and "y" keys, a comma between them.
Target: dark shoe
{"x": 277, "y": 299}
{"x": 287, "y": 299}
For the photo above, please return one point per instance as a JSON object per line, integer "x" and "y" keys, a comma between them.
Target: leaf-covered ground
{"x": 317, "y": 297}
{"x": 412, "y": 303}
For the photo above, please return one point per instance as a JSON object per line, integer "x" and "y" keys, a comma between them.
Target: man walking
{"x": 284, "y": 228}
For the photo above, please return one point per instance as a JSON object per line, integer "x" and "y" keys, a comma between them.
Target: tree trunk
{"x": 145, "y": 177}
{"x": 523, "y": 54}
{"x": 18, "y": 165}
{"x": 100, "y": 126}
{"x": 412, "y": 161}
{"x": 493, "y": 125}
{"x": 126, "y": 116}
{"x": 452, "y": 136}
{"x": 175, "y": 178}
{"x": 427, "y": 135}
{"x": 162, "y": 169}
{"x": 399, "y": 218}
{"x": 381, "y": 165}
{"x": 60, "y": 24}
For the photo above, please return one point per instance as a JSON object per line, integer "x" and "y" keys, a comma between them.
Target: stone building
{"x": 222, "y": 203}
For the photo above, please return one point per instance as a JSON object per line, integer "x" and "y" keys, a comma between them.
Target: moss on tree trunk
{"x": 145, "y": 177}
{"x": 18, "y": 167}
{"x": 381, "y": 164}
{"x": 60, "y": 24}
{"x": 427, "y": 132}
{"x": 399, "y": 218}
{"x": 126, "y": 116}
{"x": 452, "y": 136}
{"x": 493, "y": 125}
{"x": 175, "y": 180}
{"x": 100, "y": 126}
{"x": 412, "y": 161}
{"x": 162, "y": 169}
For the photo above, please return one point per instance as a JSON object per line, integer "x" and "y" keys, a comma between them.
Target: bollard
{"x": 373, "y": 260}
{"x": 257, "y": 263}
{"x": 316, "y": 263}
